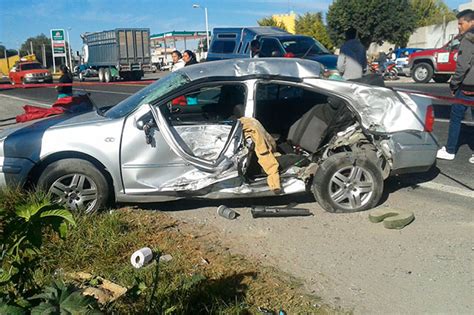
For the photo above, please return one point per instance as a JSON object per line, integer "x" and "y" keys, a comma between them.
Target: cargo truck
{"x": 120, "y": 53}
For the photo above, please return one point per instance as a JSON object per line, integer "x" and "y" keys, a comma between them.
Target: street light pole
{"x": 69, "y": 49}
{"x": 207, "y": 24}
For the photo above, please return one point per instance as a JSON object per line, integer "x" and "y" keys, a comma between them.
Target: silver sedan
{"x": 185, "y": 137}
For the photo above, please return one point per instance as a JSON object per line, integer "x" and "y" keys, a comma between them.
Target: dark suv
{"x": 230, "y": 43}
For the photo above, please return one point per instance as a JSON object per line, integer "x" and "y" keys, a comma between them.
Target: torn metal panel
{"x": 205, "y": 141}
{"x": 380, "y": 109}
{"x": 285, "y": 67}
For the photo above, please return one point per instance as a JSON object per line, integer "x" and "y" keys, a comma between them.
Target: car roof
{"x": 256, "y": 67}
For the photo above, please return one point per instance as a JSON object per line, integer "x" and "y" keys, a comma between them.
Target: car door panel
{"x": 145, "y": 167}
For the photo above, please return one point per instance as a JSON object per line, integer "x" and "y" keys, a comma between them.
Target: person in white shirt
{"x": 178, "y": 62}
{"x": 254, "y": 49}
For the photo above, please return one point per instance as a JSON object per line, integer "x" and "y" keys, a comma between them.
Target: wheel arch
{"x": 429, "y": 61}
{"x": 35, "y": 172}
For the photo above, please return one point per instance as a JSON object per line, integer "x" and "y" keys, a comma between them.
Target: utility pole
{"x": 69, "y": 49}
{"x": 43, "y": 50}
{"x": 31, "y": 47}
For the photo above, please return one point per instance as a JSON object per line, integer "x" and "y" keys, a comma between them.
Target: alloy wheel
{"x": 75, "y": 192}
{"x": 351, "y": 187}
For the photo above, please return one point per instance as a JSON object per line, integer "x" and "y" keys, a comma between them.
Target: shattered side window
{"x": 149, "y": 94}
{"x": 209, "y": 104}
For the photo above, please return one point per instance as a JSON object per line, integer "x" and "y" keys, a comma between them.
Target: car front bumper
{"x": 14, "y": 171}
{"x": 32, "y": 80}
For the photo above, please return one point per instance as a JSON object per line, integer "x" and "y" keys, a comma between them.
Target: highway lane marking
{"x": 25, "y": 100}
{"x": 448, "y": 189}
{"x": 99, "y": 91}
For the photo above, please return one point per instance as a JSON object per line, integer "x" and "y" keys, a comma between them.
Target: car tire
{"x": 442, "y": 78}
{"x": 347, "y": 182}
{"x": 75, "y": 184}
{"x": 107, "y": 75}
{"x": 422, "y": 72}
{"x": 101, "y": 75}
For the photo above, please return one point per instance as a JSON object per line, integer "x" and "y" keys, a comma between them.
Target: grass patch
{"x": 202, "y": 277}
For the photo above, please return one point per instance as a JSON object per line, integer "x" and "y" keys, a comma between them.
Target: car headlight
{"x": 29, "y": 75}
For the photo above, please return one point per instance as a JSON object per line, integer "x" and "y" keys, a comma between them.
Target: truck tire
{"x": 348, "y": 182}
{"x": 101, "y": 75}
{"x": 422, "y": 72}
{"x": 441, "y": 78}
{"x": 107, "y": 75}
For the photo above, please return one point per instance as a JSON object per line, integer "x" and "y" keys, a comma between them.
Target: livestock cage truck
{"x": 122, "y": 53}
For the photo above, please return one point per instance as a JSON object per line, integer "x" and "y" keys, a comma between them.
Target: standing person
{"x": 254, "y": 49}
{"x": 352, "y": 60}
{"x": 189, "y": 58}
{"x": 66, "y": 77}
{"x": 462, "y": 84}
{"x": 178, "y": 62}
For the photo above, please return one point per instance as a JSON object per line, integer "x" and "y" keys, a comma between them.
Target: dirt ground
{"x": 426, "y": 267}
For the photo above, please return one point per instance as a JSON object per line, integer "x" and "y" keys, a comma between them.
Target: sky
{"x": 20, "y": 19}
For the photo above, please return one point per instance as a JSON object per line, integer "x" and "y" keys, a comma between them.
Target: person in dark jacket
{"x": 462, "y": 84}
{"x": 189, "y": 58}
{"x": 66, "y": 77}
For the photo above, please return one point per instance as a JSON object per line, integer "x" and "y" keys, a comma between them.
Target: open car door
{"x": 195, "y": 145}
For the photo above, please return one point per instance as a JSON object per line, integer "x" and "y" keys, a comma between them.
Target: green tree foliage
{"x": 10, "y": 52}
{"x": 428, "y": 12}
{"x": 38, "y": 42}
{"x": 375, "y": 21}
{"x": 311, "y": 24}
{"x": 270, "y": 21}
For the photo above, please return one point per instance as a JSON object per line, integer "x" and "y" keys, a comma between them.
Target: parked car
{"x": 437, "y": 64}
{"x": 230, "y": 43}
{"x": 401, "y": 60}
{"x": 29, "y": 72}
{"x": 181, "y": 137}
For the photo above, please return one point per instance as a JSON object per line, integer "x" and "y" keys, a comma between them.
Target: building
{"x": 289, "y": 20}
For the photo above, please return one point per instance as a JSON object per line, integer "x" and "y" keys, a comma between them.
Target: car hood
{"x": 59, "y": 121}
{"x": 329, "y": 61}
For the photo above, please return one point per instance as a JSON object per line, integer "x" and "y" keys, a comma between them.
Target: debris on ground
{"x": 226, "y": 212}
{"x": 263, "y": 212}
{"x": 392, "y": 218}
{"x": 103, "y": 290}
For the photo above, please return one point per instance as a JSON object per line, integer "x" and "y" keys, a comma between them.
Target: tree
{"x": 270, "y": 21}
{"x": 38, "y": 42}
{"x": 429, "y": 12}
{"x": 311, "y": 24}
{"x": 375, "y": 20}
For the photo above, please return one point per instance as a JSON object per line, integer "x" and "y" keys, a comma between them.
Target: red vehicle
{"x": 29, "y": 72}
{"x": 437, "y": 64}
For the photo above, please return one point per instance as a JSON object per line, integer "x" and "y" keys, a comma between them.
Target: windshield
{"x": 31, "y": 66}
{"x": 299, "y": 46}
{"x": 148, "y": 94}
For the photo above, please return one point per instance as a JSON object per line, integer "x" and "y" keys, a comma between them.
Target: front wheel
{"x": 347, "y": 182}
{"x": 422, "y": 72}
{"x": 75, "y": 184}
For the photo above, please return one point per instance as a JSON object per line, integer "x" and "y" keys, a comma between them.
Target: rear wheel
{"x": 101, "y": 75}
{"x": 347, "y": 182}
{"x": 75, "y": 184}
{"x": 422, "y": 72}
{"x": 442, "y": 78}
{"x": 107, "y": 75}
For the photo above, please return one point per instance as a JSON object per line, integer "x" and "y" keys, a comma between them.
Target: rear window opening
{"x": 301, "y": 118}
